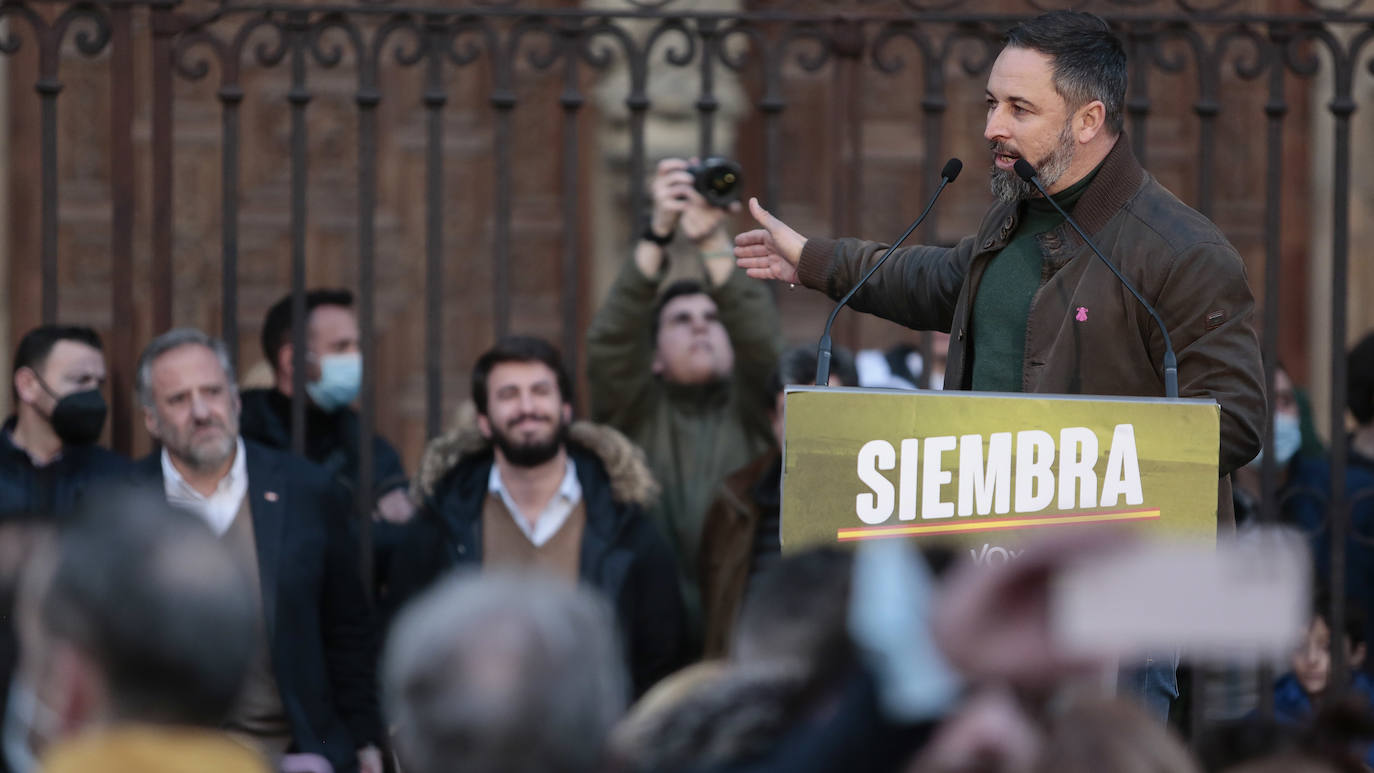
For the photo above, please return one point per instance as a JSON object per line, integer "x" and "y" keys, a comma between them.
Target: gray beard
{"x": 1006, "y": 185}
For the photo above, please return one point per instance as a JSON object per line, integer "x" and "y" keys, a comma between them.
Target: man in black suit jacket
{"x": 312, "y": 686}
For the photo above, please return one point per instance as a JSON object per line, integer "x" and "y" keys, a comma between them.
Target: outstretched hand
{"x": 771, "y": 252}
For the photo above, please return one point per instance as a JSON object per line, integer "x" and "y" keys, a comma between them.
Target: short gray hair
{"x": 156, "y": 601}
{"x": 175, "y": 339}
{"x": 504, "y": 671}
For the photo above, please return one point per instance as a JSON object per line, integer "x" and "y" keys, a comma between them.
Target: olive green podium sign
{"x": 992, "y": 469}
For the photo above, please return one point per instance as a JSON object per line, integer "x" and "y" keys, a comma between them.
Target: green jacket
{"x": 693, "y": 436}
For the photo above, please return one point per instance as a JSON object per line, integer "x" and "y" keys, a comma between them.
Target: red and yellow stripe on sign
{"x": 964, "y": 526}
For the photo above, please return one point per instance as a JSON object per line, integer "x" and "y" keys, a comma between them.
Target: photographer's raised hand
{"x": 771, "y": 252}
{"x": 671, "y": 191}
{"x": 679, "y": 207}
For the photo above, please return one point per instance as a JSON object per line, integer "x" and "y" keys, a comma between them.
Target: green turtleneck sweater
{"x": 1004, "y": 295}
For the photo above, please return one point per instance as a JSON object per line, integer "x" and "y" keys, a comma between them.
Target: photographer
{"x": 683, "y": 369}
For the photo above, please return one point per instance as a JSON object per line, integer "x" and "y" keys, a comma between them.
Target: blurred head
{"x": 796, "y": 612}
{"x": 691, "y": 345}
{"x": 524, "y": 399}
{"x": 1311, "y": 661}
{"x": 798, "y": 366}
{"x": 333, "y": 359}
{"x": 58, "y": 373}
{"x": 190, "y": 400}
{"x": 1334, "y": 740}
{"x": 1360, "y": 381}
{"x": 1093, "y": 736}
{"x": 939, "y": 359}
{"x": 1057, "y": 89}
{"x": 713, "y": 715}
{"x": 1230, "y": 745}
{"x": 503, "y": 671}
{"x": 989, "y": 733}
{"x": 134, "y": 613}
{"x": 1288, "y": 431}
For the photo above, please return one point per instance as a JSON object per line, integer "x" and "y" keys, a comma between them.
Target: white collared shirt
{"x": 218, "y": 509}
{"x": 555, "y": 513}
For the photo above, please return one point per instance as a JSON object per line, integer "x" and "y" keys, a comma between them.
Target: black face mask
{"x": 78, "y": 417}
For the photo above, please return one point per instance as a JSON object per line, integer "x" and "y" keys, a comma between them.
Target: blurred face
{"x": 52, "y": 693}
{"x": 195, "y": 411}
{"x": 1027, "y": 119}
{"x": 939, "y": 356}
{"x": 526, "y": 417}
{"x": 71, "y": 367}
{"x": 693, "y": 347}
{"x": 1285, "y": 401}
{"x": 1312, "y": 660}
{"x": 332, "y": 330}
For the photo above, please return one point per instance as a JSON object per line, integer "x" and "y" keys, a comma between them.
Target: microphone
{"x": 1027, "y": 172}
{"x": 947, "y": 175}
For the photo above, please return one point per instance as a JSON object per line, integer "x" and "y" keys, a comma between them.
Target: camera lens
{"x": 717, "y": 180}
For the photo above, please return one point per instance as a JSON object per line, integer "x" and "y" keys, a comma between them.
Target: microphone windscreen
{"x": 1023, "y": 169}
{"x": 952, "y": 169}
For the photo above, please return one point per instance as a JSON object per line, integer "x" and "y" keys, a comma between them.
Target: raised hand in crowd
{"x": 678, "y": 204}
{"x": 679, "y": 207}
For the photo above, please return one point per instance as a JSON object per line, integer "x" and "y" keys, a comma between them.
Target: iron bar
{"x": 435, "y": 97}
{"x": 367, "y": 99}
{"x": 1341, "y": 107}
{"x": 48, "y": 87}
{"x": 163, "y": 276}
{"x": 1138, "y": 88}
{"x": 299, "y": 98}
{"x": 230, "y": 95}
{"x": 707, "y": 104}
{"x": 572, "y": 102}
{"x": 503, "y": 101}
{"x": 123, "y": 344}
{"x": 1276, "y": 111}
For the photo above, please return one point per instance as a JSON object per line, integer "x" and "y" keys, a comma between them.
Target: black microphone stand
{"x": 823, "y": 348}
{"x": 1027, "y": 172}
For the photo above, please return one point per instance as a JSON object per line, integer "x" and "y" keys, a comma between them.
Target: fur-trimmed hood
{"x": 631, "y": 480}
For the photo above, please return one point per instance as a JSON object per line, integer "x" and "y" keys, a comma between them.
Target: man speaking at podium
{"x": 1028, "y": 306}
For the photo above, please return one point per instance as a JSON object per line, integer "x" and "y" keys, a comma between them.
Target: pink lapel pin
{"x": 1082, "y": 315}
{"x": 270, "y": 496}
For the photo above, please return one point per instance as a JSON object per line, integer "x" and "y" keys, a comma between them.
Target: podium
{"x": 986, "y": 471}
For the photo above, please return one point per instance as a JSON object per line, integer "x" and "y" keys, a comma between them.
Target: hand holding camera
{"x": 695, "y": 196}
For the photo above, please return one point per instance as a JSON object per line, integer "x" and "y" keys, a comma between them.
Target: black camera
{"x": 717, "y": 180}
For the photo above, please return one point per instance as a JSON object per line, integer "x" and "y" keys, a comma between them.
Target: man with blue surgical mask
{"x": 333, "y": 380}
{"x": 1286, "y": 447}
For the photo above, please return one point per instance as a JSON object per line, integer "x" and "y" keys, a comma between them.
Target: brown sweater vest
{"x": 259, "y": 713}
{"x": 504, "y": 544}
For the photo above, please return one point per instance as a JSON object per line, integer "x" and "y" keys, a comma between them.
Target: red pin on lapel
{"x": 1082, "y": 315}
{"x": 270, "y": 496}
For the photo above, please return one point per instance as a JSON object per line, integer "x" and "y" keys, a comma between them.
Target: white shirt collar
{"x": 219, "y": 509}
{"x": 554, "y": 515}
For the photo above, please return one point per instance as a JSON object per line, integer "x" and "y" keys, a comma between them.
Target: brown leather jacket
{"x": 727, "y": 551}
{"x": 1175, "y": 257}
